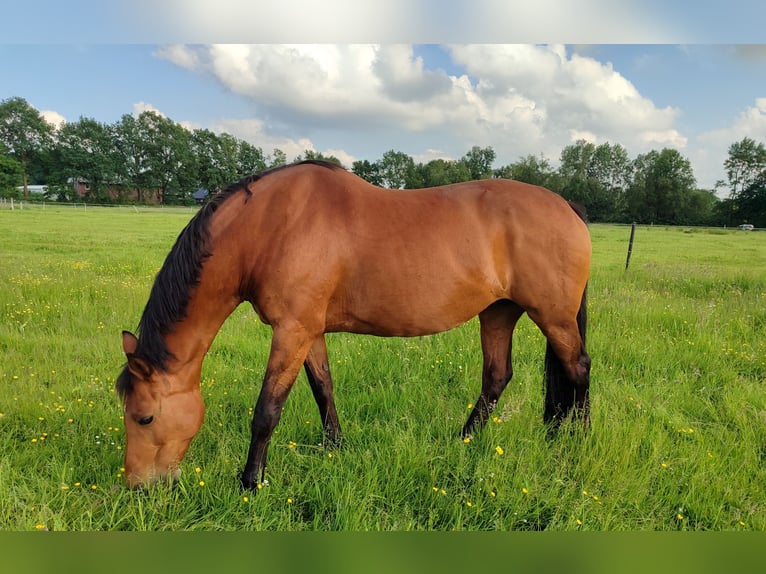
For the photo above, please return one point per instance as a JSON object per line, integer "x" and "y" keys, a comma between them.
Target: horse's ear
{"x": 129, "y": 342}
{"x": 137, "y": 365}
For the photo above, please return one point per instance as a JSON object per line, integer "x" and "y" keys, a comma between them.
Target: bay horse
{"x": 315, "y": 249}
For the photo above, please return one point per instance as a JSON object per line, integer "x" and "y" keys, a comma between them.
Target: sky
{"x": 431, "y": 79}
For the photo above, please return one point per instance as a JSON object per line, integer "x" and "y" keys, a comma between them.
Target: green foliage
{"x": 746, "y": 171}
{"x": 151, "y": 158}
{"x": 677, "y": 432}
{"x": 535, "y": 170}
{"x": 662, "y": 189}
{"x": 11, "y": 176}
{"x": 23, "y": 132}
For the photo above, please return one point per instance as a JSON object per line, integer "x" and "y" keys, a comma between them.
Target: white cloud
{"x": 255, "y": 132}
{"x": 711, "y": 148}
{"x": 141, "y": 107}
{"x": 518, "y": 98}
{"x": 54, "y": 118}
{"x": 362, "y": 100}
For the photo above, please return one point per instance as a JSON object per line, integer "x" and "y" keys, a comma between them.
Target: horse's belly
{"x": 406, "y": 314}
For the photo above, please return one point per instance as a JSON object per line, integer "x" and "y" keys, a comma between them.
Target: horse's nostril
{"x": 143, "y": 421}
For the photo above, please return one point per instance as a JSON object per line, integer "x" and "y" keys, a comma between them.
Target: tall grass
{"x": 678, "y": 433}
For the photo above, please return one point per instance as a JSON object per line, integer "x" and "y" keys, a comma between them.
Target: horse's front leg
{"x": 289, "y": 347}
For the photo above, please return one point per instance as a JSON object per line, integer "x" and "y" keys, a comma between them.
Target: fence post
{"x": 630, "y": 244}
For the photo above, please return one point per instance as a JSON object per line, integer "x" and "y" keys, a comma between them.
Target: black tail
{"x": 561, "y": 393}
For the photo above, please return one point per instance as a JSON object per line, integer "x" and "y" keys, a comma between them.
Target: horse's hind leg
{"x": 567, "y": 375}
{"x": 497, "y": 324}
{"x": 318, "y": 373}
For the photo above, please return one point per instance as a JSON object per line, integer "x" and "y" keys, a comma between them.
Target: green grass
{"x": 678, "y": 435}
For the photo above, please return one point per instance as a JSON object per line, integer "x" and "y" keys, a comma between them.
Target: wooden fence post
{"x": 630, "y": 244}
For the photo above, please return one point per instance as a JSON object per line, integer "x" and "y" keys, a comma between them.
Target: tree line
{"x": 150, "y": 158}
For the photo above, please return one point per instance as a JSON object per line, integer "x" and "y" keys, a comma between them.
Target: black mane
{"x": 179, "y": 275}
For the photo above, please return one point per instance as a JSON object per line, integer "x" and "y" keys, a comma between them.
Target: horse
{"x": 315, "y": 249}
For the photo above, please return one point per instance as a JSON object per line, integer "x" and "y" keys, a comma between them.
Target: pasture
{"x": 677, "y": 442}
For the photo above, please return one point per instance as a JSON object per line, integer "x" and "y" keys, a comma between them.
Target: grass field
{"x": 678, "y": 437}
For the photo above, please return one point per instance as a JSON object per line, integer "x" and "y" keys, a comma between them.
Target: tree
{"x": 86, "y": 151}
{"x": 532, "y": 169}
{"x": 130, "y": 141}
{"x": 596, "y": 177}
{"x": 24, "y": 132}
{"x": 367, "y": 170}
{"x": 11, "y": 176}
{"x": 310, "y": 154}
{"x": 250, "y": 159}
{"x": 746, "y": 172}
{"x": 394, "y": 168}
{"x": 662, "y": 188}
{"x": 168, "y": 144}
{"x": 745, "y": 166}
{"x": 479, "y": 162}
{"x": 751, "y": 202}
{"x": 439, "y": 172}
{"x": 278, "y": 157}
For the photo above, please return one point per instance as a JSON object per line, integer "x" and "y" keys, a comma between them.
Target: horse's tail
{"x": 561, "y": 393}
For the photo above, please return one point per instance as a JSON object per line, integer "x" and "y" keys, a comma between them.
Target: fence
{"x": 15, "y": 204}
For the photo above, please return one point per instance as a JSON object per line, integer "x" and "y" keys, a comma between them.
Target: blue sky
{"x": 435, "y": 92}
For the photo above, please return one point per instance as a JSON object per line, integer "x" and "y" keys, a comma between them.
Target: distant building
{"x": 36, "y": 189}
{"x": 200, "y": 196}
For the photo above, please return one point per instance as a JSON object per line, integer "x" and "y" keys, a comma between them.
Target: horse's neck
{"x": 211, "y": 303}
{"x": 216, "y": 295}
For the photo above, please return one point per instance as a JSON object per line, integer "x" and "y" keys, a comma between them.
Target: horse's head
{"x": 163, "y": 412}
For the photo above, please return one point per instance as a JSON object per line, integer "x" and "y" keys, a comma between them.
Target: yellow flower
{"x": 40, "y": 526}
{"x": 524, "y": 491}
{"x": 469, "y": 504}
{"x": 245, "y": 499}
{"x": 680, "y": 516}
{"x": 260, "y": 486}
{"x": 467, "y": 439}
{"x": 292, "y": 444}
{"x": 289, "y": 501}
{"x": 579, "y": 522}
{"x": 499, "y": 450}
{"x": 664, "y": 465}
{"x": 202, "y": 483}
{"x": 93, "y": 487}
{"x": 198, "y": 470}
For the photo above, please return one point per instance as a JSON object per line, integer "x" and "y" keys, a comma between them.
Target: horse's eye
{"x": 143, "y": 421}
